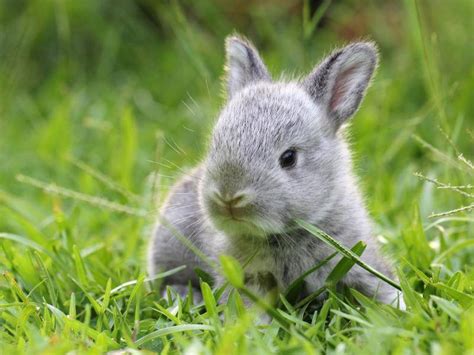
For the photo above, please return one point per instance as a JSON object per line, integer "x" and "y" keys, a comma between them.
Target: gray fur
{"x": 260, "y": 121}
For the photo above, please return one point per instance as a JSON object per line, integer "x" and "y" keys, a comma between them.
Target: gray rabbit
{"x": 277, "y": 154}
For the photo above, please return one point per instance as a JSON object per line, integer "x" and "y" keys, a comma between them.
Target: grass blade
{"x": 290, "y": 293}
{"x": 344, "y": 265}
{"x": 25, "y": 241}
{"x": 171, "y": 330}
{"x": 346, "y": 252}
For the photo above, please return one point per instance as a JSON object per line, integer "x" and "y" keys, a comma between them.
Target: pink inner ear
{"x": 341, "y": 87}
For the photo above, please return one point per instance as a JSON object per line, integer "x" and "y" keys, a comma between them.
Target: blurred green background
{"x": 113, "y": 99}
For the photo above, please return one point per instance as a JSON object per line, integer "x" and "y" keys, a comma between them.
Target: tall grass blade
{"x": 346, "y": 252}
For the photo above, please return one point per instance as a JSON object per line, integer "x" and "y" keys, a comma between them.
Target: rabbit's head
{"x": 276, "y": 154}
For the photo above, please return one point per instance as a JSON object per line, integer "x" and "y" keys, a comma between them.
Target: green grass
{"x": 104, "y": 104}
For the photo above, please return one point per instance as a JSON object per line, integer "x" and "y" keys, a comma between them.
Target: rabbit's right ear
{"x": 243, "y": 66}
{"x": 339, "y": 83}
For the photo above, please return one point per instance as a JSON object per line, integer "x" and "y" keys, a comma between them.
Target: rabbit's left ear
{"x": 244, "y": 65}
{"x": 340, "y": 81}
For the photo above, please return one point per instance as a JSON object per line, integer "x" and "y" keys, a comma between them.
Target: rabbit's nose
{"x": 236, "y": 200}
{"x": 234, "y": 205}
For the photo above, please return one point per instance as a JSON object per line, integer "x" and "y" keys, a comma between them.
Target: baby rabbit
{"x": 277, "y": 154}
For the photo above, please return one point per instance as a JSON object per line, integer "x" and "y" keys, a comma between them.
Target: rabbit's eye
{"x": 288, "y": 159}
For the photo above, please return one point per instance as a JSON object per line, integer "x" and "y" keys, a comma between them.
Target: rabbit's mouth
{"x": 245, "y": 225}
{"x": 233, "y": 212}
{"x": 233, "y": 226}
{"x": 240, "y": 216}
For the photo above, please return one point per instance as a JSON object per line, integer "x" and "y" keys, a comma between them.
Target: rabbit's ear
{"x": 244, "y": 65}
{"x": 339, "y": 82}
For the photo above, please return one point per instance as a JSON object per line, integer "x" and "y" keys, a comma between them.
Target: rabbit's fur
{"x": 261, "y": 120}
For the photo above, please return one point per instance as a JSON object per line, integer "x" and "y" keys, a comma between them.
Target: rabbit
{"x": 277, "y": 154}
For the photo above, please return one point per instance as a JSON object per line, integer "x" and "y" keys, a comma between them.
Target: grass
{"x": 104, "y": 104}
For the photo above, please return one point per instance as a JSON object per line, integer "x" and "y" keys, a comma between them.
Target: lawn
{"x": 103, "y": 105}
